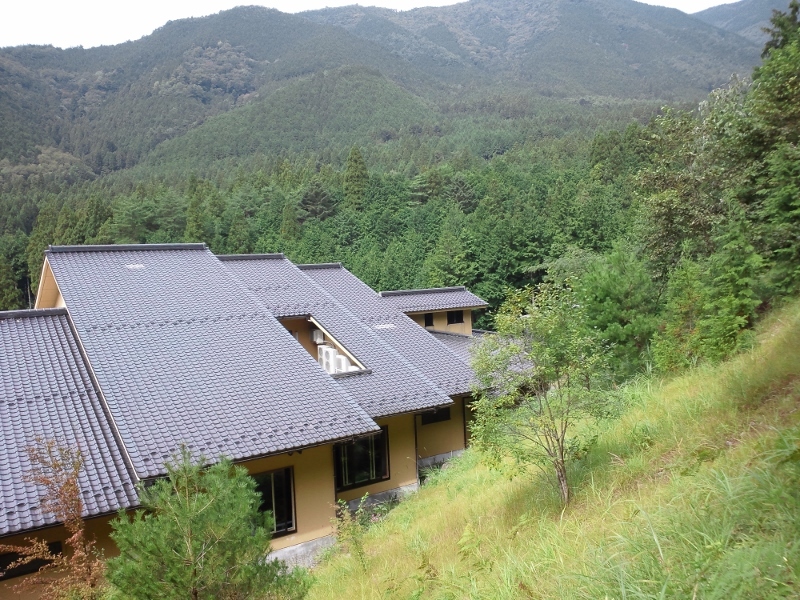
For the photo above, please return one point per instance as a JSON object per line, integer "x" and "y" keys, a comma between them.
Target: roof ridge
{"x": 308, "y": 267}
{"x": 32, "y": 312}
{"x": 458, "y": 288}
{"x": 124, "y": 247}
{"x": 231, "y": 257}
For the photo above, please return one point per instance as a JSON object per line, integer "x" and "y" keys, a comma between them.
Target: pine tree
{"x": 290, "y": 225}
{"x": 200, "y": 536}
{"x": 10, "y": 295}
{"x": 239, "y": 240}
{"x": 316, "y": 202}
{"x": 356, "y": 179}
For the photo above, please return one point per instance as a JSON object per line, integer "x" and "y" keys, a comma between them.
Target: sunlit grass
{"x": 693, "y": 493}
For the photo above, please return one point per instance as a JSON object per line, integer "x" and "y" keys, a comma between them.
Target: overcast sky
{"x": 90, "y": 23}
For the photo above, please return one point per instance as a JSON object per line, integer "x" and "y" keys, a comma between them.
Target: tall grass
{"x": 693, "y": 493}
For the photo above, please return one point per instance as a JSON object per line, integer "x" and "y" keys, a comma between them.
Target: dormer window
{"x": 332, "y": 356}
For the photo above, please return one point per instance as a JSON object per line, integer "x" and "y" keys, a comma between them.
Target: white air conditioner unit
{"x": 342, "y": 364}
{"x": 317, "y": 336}
{"x": 327, "y": 358}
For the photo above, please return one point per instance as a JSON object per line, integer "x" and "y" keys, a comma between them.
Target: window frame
{"x": 440, "y": 415}
{"x": 428, "y": 319}
{"x": 455, "y": 317}
{"x": 338, "y": 468}
{"x": 26, "y": 569}
{"x": 292, "y": 504}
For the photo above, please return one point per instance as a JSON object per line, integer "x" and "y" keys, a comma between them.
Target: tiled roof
{"x": 184, "y": 354}
{"x": 428, "y": 355}
{"x": 450, "y": 298}
{"x": 394, "y": 385}
{"x": 459, "y": 344}
{"x": 46, "y": 391}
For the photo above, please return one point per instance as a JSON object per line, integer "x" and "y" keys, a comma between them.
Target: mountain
{"x": 561, "y": 47}
{"x": 270, "y": 82}
{"x": 111, "y": 106}
{"x": 747, "y": 18}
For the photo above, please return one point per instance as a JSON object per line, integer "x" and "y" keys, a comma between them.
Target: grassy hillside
{"x": 692, "y": 494}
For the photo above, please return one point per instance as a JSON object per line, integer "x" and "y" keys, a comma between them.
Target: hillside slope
{"x": 747, "y": 18}
{"x": 692, "y": 494}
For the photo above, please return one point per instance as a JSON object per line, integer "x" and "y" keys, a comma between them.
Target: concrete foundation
{"x": 433, "y": 461}
{"x": 382, "y": 497}
{"x": 305, "y": 554}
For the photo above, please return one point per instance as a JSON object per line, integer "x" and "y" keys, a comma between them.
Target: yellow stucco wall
{"x": 98, "y": 529}
{"x": 440, "y": 322}
{"x": 48, "y": 295}
{"x": 302, "y": 329}
{"x": 402, "y": 459}
{"x": 446, "y": 436}
{"x": 314, "y": 492}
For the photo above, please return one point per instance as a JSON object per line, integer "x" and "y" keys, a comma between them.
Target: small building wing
{"x": 435, "y": 299}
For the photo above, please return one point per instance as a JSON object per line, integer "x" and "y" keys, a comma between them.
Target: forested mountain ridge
{"x": 748, "y": 18}
{"x": 560, "y": 47}
{"x": 112, "y": 106}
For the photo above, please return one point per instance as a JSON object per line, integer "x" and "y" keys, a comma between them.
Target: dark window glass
{"x": 26, "y": 569}
{"x": 443, "y": 414}
{"x": 428, "y": 319}
{"x": 276, "y": 491}
{"x": 455, "y": 316}
{"x": 363, "y": 461}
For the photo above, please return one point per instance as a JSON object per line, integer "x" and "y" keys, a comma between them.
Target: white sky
{"x": 89, "y": 23}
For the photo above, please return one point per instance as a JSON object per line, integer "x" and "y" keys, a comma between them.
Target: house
{"x": 323, "y": 389}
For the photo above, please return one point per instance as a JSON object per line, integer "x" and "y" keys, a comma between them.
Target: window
{"x": 455, "y": 316}
{"x": 31, "y": 567}
{"x": 437, "y": 416}
{"x": 362, "y": 462}
{"x": 428, "y": 319}
{"x": 276, "y": 489}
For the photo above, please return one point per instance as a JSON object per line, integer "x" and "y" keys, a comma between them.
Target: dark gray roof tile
{"x": 184, "y": 354}
{"x": 46, "y": 392}
{"x": 411, "y": 369}
{"x": 425, "y": 352}
{"x": 433, "y": 299}
{"x": 459, "y": 344}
